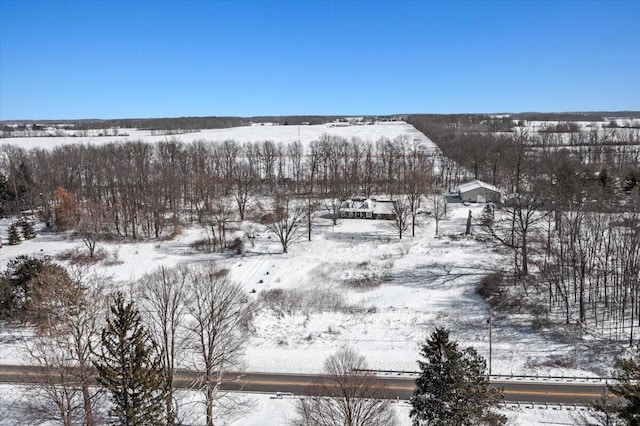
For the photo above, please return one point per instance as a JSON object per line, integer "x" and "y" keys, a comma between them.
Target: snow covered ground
{"x": 269, "y": 410}
{"x": 426, "y": 282}
{"x": 304, "y": 134}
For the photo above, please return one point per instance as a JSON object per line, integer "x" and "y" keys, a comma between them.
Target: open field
{"x": 304, "y": 134}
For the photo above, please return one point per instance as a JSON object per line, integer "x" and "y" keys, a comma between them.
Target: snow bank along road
{"x": 307, "y": 384}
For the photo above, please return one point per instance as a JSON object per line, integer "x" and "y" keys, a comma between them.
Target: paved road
{"x": 396, "y": 387}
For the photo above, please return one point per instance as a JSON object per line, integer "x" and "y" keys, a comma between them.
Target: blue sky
{"x": 118, "y": 59}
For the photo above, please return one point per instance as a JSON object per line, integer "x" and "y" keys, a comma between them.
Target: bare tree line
{"x": 140, "y": 190}
{"x": 495, "y": 157}
{"x": 196, "y": 318}
{"x": 571, "y": 216}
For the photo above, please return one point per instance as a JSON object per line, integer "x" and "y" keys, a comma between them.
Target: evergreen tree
{"x": 4, "y": 194}
{"x": 15, "y": 288}
{"x": 28, "y": 232}
{"x": 627, "y": 373}
{"x": 452, "y": 388}
{"x": 128, "y": 368}
{"x": 14, "y": 235}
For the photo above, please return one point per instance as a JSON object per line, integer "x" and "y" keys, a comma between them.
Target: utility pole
{"x": 490, "y": 342}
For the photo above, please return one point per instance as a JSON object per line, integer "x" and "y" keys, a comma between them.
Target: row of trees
{"x": 195, "y": 319}
{"x": 591, "y": 267}
{"x": 572, "y": 226}
{"x": 168, "y": 124}
{"x": 137, "y": 189}
{"x": 579, "y": 250}
{"x": 502, "y": 158}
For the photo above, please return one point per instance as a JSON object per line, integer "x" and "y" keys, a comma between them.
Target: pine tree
{"x": 128, "y": 369}
{"x": 28, "y": 232}
{"x": 452, "y": 388}
{"x": 627, "y": 373}
{"x": 14, "y": 235}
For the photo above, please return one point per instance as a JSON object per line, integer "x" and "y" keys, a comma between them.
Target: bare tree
{"x": 57, "y": 396}
{"x": 63, "y": 352}
{"x": 416, "y": 176}
{"x": 524, "y": 211}
{"x": 243, "y": 188}
{"x": 310, "y": 207}
{"x": 439, "y": 210}
{"x": 82, "y": 328}
{"x": 284, "y": 217}
{"x": 163, "y": 294}
{"x": 354, "y": 397}
{"x": 401, "y": 215}
{"x": 223, "y": 214}
{"x": 333, "y": 206}
{"x": 90, "y": 227}
{"x": 220, "y": 317}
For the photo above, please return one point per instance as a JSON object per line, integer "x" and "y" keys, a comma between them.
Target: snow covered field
{"x": 304, "y": 134}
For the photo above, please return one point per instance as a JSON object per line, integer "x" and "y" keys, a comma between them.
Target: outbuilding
{"x": 479, "y": 192}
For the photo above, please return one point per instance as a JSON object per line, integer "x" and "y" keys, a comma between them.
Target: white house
{"x": 479, "y": 192}
{"x": 369, "y": 208}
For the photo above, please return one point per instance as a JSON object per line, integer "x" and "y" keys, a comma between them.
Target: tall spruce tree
{"x": 128, "y": 369}
{"x": 452, "y": 388}
{"x": 627, "y": 386}
{"x": 28, "y": 231}
{"x": 14, "y": 235}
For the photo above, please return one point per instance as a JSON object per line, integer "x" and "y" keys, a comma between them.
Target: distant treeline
{"x": 181, "y": 123}
{"x": 574, "y": 116}
{"x": 492, "y": 122}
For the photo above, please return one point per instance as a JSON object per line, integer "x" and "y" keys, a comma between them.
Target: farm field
{"x": 304, "y": 134}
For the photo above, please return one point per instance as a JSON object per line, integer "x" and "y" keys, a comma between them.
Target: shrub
{"x": 237, "y": 246}
{"x": 79, "y": 257}
{"x": 364, "y": 282}
{"x": 490, "y": 287}
{"x": 316, "y": 299}
{"x": 368, "y": 276}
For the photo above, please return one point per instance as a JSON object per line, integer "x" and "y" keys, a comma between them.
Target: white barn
{"x": 479, "y": 192}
